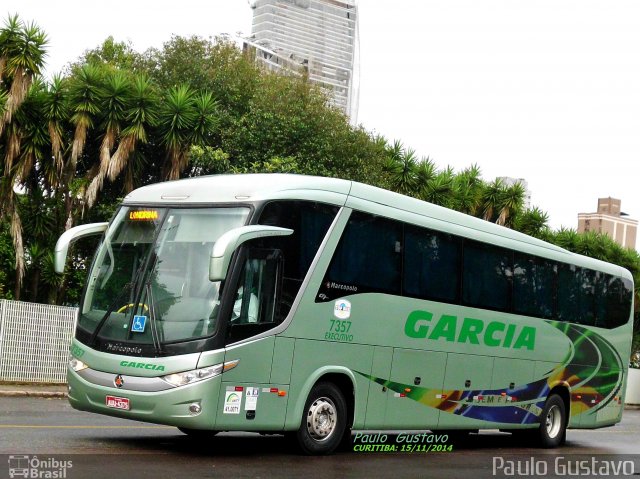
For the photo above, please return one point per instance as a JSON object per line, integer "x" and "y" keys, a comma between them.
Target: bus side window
{"x": 368, "y": 257}
{"x": 431, "y": 265}
{"x": 533, "y": 286}
{"x": 310, "y": 222}
{"x": 486, "y": 277}
{"x": 255, "y": 299}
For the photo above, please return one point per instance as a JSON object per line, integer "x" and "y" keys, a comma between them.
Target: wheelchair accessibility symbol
{"x": 139, "y": 323}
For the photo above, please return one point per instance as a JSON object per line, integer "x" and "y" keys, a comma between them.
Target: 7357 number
{"x": 340, "y": 326}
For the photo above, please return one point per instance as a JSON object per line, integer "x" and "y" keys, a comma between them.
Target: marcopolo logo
{"x": 419, "y": 325}
{"x": 34, "y": 467}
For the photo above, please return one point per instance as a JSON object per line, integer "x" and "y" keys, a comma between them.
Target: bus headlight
{"x": 195, "y": 375}
{"x": 77, "y": 365}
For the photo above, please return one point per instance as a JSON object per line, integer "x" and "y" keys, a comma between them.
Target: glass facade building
{"x": 318, "y": 38}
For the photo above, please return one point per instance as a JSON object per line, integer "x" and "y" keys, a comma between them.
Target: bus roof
{"x": 243, "y": 188}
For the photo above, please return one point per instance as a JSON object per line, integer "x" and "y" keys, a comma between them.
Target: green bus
{"x": 316, "y": 306}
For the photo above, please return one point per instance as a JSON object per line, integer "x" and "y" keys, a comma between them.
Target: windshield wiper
{"x": 107, "y": 314}
{"x": 155, "y": 337}
{"x": 118, "y": 299}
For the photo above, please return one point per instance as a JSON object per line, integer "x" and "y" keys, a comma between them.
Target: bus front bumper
{"x": 192, "y": 406}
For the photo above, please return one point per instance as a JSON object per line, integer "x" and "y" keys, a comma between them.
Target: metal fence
{"x": 34, "y": 341}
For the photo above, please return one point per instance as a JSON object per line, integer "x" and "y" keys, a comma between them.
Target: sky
{"x": 545, "y": 90}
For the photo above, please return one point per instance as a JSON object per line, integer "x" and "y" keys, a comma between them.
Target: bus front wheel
{"x": 553, "y": 422}
{"x": 324, "y": 420}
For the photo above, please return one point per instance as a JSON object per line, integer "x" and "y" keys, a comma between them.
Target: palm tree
{"x": 510, "y": 203}
{"x": 439, "y": 191}
{"x": 491, "y": 197}
{"x": 425, "y": 173}
{"x": 176, "y": 121}
{"x": 56, "y": 113}
{"x": 116, "y": 97}
{"x": 402, "y": 166}
{"x": 85, "y": 95}
{"x": 533, "y": 222}
{"x": 468, "y": 187}
{"x": 141, "y": 116}
{"x": 22, "y": 52}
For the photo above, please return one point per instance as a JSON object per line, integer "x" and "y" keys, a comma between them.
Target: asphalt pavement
{"x": 51, "y": 435}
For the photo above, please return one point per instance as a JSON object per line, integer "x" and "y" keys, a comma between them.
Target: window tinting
{"x": 310, "y": 222}
{"x": 576, "y": 294}
{"x": 380, "y": 255}
{"x": 431, "y": 265}
{"x": 533, "y": 286}
{"x": 486, "y": 277}
{"x": 368, "y": 256}
{"x": 619, "y": 294}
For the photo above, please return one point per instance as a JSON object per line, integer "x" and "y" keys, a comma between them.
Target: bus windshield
{"x": 149, "y": 283}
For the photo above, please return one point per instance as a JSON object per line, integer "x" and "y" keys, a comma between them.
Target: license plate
{"x": 118, "y": 403}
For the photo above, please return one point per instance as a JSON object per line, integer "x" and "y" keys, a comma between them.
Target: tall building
{"x": 610, "y": 219}
{"x": 318, "y": 38}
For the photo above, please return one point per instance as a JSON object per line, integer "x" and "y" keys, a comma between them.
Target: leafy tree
{"x": 117, "y": 119}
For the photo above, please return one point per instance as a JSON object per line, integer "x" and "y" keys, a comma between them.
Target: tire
{"x": 552, "y": 431}
{"x": 324, "y": 420}
{"x": 198, "y": 433}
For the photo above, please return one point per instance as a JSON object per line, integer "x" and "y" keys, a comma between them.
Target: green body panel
{"x": 511, "y": 371}
{"x": 409, "y": 364}
{"x": 315, "y": 359}
{"x": 377, "y": 403}
{"x": 211, "y": 358}
{"x": 282, "y": 360}
{"x": 164, "y": 407}
{"x": 268, "y": 414}
{"x": 254, "y": 361}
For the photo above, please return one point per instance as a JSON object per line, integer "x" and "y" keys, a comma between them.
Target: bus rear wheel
{"x": 324, "y": 420}
{"x": 553, "y": 423}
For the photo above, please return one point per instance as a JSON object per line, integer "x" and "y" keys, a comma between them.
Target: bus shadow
{"x": 254, "y": 444}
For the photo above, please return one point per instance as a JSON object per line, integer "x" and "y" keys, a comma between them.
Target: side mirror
{"x": 227, "y": 243}
{"x": 77, "y": 232}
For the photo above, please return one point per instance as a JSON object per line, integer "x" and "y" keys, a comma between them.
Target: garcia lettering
{"x": 133, "y": 364}
{"x": 450, "y": 328}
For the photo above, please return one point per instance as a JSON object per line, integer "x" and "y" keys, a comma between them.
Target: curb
{"x": 38, "y": 394}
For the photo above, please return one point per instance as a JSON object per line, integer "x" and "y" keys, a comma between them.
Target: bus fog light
{"x": 195, "y": 408}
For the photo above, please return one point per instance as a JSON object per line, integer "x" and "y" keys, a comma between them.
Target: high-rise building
{"x": 313, "y": 37}
{"x": 610, "y": 220}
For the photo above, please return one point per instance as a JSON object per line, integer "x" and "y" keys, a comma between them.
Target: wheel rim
{"x": 553, "y": 421}
{"x": 321, "y": 419}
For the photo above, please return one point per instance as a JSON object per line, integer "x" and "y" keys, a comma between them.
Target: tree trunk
{"x": 35, "y": 282}
{"x": 16, "y": 293}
